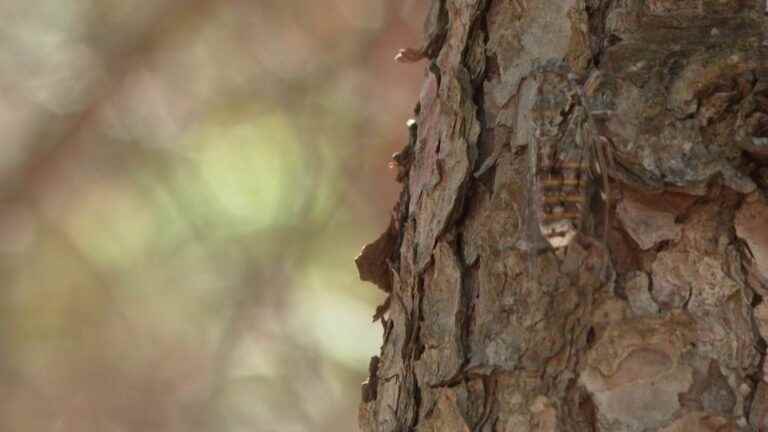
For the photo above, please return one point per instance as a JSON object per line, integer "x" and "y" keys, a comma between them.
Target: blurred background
{"x": 185, "y": 185}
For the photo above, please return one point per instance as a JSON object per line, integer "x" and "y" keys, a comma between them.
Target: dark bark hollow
{"x": 658, "y": 325}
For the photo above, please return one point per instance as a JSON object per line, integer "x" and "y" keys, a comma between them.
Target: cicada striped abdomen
{"x": 563, "y": 162}
{"x": 562, "y": 193}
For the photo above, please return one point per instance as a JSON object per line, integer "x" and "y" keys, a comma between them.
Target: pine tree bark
{"x": 659, "y": 326}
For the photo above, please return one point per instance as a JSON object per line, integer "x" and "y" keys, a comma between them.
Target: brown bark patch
{"x": 648, "y": 225}
{"x": 752, "y": 227}
{"x": 636, "y": 370}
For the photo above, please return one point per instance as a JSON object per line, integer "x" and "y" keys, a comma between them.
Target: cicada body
{"x": 564, "y": 158}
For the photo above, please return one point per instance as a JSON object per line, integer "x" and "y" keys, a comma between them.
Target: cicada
{"x": 566, "y": 157}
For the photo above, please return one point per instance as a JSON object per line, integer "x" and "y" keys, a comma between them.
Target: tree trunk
{"x": 651, "y": 317}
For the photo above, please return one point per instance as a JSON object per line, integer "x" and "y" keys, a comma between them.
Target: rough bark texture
{"x": 663, "y": 327}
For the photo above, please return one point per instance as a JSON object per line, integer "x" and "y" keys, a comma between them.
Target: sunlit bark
{"x": 657, "y": 325}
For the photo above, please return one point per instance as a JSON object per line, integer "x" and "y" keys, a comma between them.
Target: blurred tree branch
{"x": 54, "y": 138}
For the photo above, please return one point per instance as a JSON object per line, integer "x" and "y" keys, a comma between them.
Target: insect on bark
{"x": 566, "y": 155}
